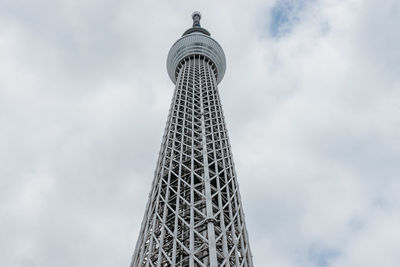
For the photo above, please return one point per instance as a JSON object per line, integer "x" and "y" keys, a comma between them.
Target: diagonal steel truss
{"x": 194, "y": 215}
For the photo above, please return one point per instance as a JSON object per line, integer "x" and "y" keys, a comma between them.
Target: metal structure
{"x": 194, "y": 216}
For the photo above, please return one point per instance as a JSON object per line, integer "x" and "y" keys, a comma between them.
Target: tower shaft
{"x": 194, "y": 215}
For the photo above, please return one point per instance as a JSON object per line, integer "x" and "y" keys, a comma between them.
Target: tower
{"x": 194, "y": 215}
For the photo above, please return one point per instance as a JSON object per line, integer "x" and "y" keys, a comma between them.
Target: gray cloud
{"x": 313, "y": 118}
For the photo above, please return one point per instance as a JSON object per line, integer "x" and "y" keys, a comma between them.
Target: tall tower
{"x": 194, "y": 215}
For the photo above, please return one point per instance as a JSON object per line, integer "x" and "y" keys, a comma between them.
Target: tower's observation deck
{"x": 196, "y": 41}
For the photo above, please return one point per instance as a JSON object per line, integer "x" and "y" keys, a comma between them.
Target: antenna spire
{"x": 196, "y": 16}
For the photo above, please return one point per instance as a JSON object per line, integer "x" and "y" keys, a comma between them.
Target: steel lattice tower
{"x": 194, "y": 216}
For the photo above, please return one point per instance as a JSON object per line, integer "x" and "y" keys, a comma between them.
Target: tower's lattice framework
{"x": 194, "y": 216}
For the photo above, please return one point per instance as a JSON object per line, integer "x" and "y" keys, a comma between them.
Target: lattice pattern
{"x": 194, "y": 216}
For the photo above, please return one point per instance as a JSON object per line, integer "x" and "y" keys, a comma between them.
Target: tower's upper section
{"x": 196, "y": 41}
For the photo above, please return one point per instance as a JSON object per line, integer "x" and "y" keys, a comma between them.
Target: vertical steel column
{"x": 210, "y": 216}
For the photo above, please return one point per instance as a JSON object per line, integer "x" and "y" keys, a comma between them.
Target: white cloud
{"x": 313, "y": 117}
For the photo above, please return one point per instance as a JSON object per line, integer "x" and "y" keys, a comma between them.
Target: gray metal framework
{"x": 194, "y": 215}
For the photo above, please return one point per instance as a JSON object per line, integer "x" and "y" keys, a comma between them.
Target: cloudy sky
{"x": 312, "y": 103}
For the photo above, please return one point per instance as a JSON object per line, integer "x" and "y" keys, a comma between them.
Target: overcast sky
{"x": 311, "y": 98}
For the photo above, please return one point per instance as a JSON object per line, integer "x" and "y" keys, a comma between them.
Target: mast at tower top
{"x": 196, "y": 27}
{"x": 196, "y": 16}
